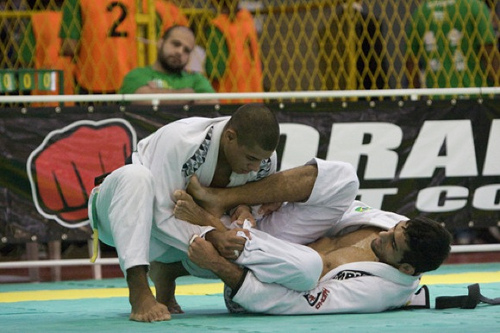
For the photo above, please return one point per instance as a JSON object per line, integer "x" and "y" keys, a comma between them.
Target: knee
{"x": 310, "y": 268}
{"x": 312, "y": 271}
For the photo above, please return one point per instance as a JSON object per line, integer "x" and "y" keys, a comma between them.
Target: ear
{"x": 407, "y": 269}
{"x": 230, "y": 134}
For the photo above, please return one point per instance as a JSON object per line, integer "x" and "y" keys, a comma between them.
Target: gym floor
{"x": 83, "y": 304}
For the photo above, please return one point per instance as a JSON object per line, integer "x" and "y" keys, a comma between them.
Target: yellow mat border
{"x": 210, "y": 288}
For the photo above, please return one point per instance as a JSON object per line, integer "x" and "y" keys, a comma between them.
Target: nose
{"x": 383, "y": 235}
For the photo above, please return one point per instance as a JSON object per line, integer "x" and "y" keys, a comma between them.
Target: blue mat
{"x": 207, "y": 313}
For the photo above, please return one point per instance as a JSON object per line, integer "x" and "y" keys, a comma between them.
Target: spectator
{"x": 367, "y": 55}
{"x": 167, "y": 15}
{"x": 41, "y": 49}
{"x": 94, "y": 32}
{"x": 233, "y": 56}
{"x": 453, "y": 43}
{"x": 101, "y": 38}
{"x": 167, "y": 74}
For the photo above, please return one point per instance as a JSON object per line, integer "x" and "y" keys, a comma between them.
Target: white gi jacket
{"x": 134, "y": 205}
{"x": 350, "y": 288}
{"x": 361, "y": 287}
{"x": 173, "y": 154}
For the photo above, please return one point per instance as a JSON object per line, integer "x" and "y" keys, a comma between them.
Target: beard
{"x": 167, "y": 66}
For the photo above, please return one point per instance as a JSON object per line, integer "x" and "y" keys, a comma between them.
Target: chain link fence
{"x": 302, "y": 45}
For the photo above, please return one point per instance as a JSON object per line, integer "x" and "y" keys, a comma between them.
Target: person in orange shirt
{"x": 168, "y": 15}
{"x": 41, "y": 50}
{"x": 233, "y": 57}
{"x": 101, "y": 37}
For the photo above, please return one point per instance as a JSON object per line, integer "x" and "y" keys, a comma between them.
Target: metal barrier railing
{"x": 289, "y": 95}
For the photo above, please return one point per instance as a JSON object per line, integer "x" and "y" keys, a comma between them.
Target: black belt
{"x": 99, "y": 179}
{"x": 465, "y": 302}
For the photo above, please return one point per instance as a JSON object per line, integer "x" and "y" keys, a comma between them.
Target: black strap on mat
{"x": 465, "y": 302}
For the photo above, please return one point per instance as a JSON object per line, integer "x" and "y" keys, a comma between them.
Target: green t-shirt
{"x": 141, "y": 76}
{"x": 446, "y": 36}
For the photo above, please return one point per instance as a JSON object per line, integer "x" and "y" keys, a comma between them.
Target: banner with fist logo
{"x": 440, "y": 159}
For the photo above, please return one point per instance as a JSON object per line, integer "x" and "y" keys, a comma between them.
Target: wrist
{"x": 212, "y": 236}
{"x": 240, "y": 209}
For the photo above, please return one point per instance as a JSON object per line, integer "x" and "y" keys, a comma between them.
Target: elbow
{"x": 352, "y": 176}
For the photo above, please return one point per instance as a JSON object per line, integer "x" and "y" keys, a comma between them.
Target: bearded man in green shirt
{"x": 168, "y": 75}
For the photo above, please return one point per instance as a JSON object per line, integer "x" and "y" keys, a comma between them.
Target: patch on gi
{"x": 349, "y": 274}
{"x": 265, "y": 168}
{"x": 362, "y": 209}
{"x": 317, "y": 300}
{"x": 199, "y": 157}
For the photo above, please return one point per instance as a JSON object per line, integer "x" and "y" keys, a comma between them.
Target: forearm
{"x": 294, "y": 185}
{"x": 231, "y": 274}
{"x": 216, "y": 223}
{"x": 203, "y": 253}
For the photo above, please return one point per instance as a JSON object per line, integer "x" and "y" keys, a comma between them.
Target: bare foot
{"x": 145, "y": 308}
{"x": 188, "y": 210}
{"x": 206, "y": 197}
{"x": 163, "y": 276}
